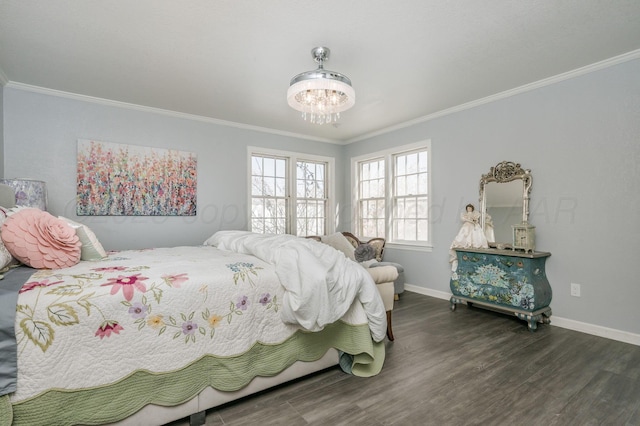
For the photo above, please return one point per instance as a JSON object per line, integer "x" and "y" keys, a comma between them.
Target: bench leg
{"x": 389, "y": 329}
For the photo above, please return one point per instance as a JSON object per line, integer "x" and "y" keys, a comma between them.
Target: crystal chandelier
{"x": 321, "y": 95}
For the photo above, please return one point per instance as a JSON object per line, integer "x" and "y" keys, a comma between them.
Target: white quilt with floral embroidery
{"x": 156, "y": 310}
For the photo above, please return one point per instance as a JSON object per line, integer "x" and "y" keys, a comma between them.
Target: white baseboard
{"x": 428, "y": 291}
{"x": 596, "y": 330}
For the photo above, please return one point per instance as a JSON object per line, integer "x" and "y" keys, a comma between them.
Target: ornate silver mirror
{"x": 504, "y": 201}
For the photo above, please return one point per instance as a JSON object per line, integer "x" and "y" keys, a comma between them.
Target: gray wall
{"x": 42, "y": 132}
{"x": 581, "y": 139}
{"x": 2, "y": 130}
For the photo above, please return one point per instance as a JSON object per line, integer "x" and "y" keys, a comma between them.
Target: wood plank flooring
{"x": 467, "y": 367}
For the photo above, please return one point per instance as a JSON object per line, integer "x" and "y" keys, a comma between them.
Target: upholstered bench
{"x": 383, "y": 276}
{"x": 378, "y": 246}
{"x": 398, "y": 284}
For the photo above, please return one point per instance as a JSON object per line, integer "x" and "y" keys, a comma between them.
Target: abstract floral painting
{"x": 129, "y": 180}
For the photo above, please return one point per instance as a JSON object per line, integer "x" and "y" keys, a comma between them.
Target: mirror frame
{"x": 503, "y": 172}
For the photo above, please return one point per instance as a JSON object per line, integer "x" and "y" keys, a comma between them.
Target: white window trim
{"x": 293, "y": 158}
{"x": 388, "y": 154}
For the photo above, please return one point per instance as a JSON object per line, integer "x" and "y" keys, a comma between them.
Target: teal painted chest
{"x": 509, "y": 281}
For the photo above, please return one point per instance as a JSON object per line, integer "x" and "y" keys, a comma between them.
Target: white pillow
{"x": 340, "y": 242}
{"x": 91, "y": 248}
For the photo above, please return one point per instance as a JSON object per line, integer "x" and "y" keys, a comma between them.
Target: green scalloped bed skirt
{"x": 111, "y": 403}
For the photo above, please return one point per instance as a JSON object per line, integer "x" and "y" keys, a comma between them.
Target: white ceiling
{"x": 232, "y": 60}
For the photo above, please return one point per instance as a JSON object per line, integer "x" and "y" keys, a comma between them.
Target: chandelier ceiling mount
{"x": 321, "y": 95}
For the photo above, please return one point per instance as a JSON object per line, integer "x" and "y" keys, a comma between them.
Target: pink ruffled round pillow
{"x": 40, "y": 240}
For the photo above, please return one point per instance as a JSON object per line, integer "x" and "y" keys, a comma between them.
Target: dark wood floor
{"x": 468, "y": 367}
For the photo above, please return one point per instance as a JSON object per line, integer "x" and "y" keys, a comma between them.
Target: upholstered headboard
{"x": 376, "y": 243}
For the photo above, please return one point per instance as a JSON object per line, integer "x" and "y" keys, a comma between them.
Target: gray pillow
{"x": 364, "y": 252}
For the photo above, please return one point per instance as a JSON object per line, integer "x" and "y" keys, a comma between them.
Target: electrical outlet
{"x": 575, "y": 290}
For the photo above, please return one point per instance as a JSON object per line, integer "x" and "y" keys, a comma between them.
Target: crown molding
{"x": 175, "y": 114}
{"x": 635, "y": 54}
{"x": 629, "y": 56}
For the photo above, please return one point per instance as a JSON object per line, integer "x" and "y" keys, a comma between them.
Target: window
{"x": 289, "y": 193}
{"x": 311, "y": 198}
{"x": 269, "y": 194}
{"x": 409, "y": 221}
{"x": 392, "y": 195}
{"x": 371, "y": 202}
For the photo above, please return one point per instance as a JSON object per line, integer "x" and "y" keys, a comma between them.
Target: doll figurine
{"x": 488, "y": 228}
{"x": 470, "y": 235}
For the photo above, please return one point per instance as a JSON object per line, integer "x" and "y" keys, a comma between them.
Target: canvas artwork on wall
{"x": 130, "y": 180}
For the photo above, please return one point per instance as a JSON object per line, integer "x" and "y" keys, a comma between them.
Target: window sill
{"x": 411, "y": 247}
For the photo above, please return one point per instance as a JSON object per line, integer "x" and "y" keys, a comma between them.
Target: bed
{"x": 152, "y": 336}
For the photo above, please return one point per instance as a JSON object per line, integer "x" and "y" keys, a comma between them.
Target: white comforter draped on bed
{"x": 320, "y": 282}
